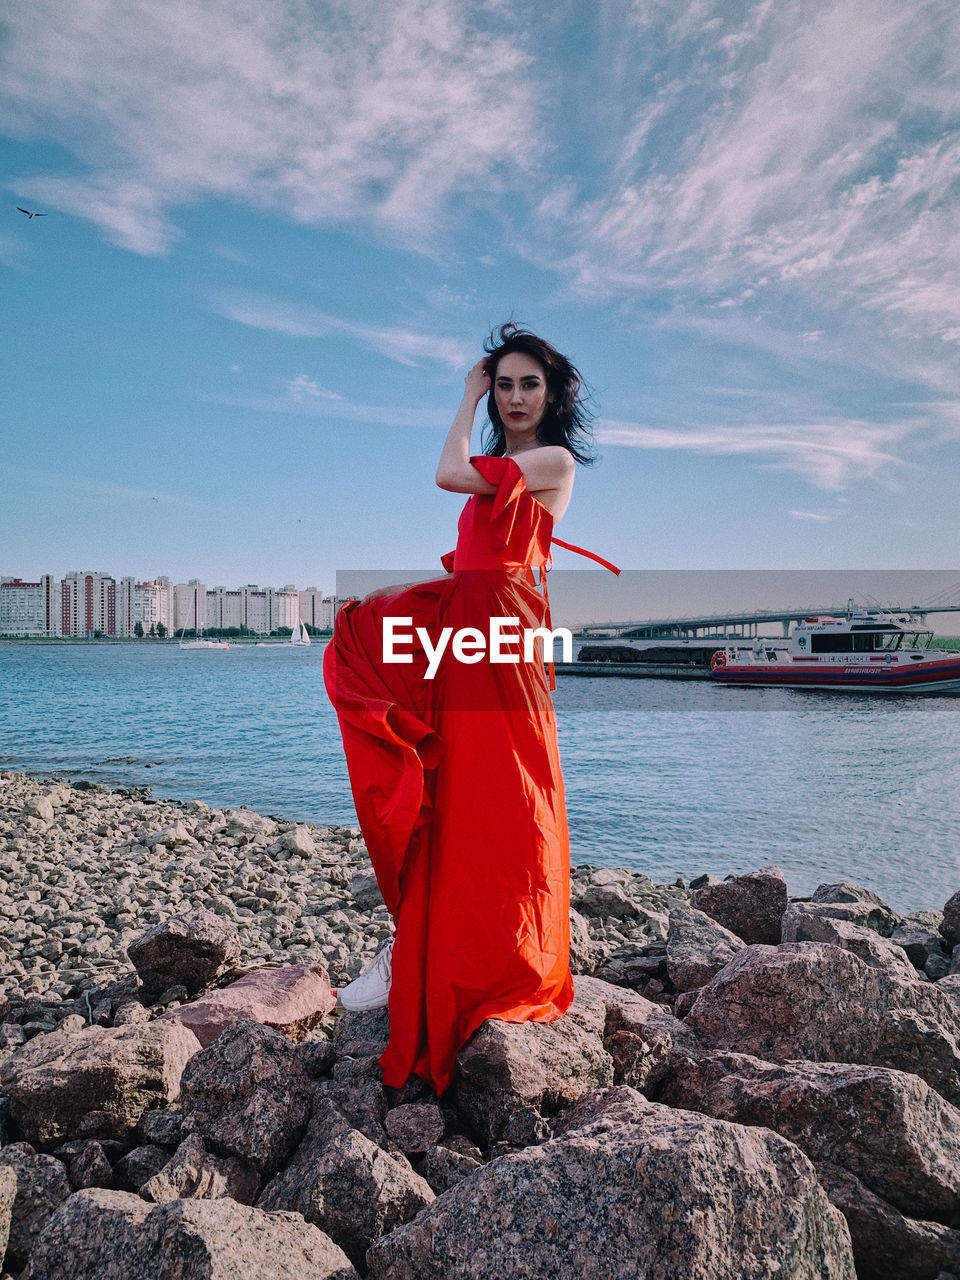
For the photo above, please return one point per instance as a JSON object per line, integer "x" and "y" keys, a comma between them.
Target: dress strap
{"x": 589, "y": 554}
{"x": 546, "y": 595}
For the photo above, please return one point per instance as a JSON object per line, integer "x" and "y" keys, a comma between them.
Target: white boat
{"x": 200, "y": 641}
{"x": 300, "y": 635}
{"x": 880, "y": 652}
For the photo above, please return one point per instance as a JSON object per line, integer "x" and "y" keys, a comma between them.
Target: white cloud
{"x": 811, "y": 153}
{"x": 406, "y": 346}
{"x": 810, "y": 515}
{"x": 324, "y": 114}
{"x": 302, "y": 387}
{"x": 830, "y": 455}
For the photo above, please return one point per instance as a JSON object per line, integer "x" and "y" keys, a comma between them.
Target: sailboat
{"x": 201, "y": 641}
{"x": 300, "y": 635}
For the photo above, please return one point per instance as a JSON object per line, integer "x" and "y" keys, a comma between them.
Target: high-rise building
{"x": 148, "y": 603}
{"x": 189, "y": 605}
{"x": 224, "y": 608}
{"x": 30, "y": 608}
{"x": 88, "y": 604}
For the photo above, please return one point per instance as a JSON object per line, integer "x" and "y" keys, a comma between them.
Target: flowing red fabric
{"x": 459, "y": 793}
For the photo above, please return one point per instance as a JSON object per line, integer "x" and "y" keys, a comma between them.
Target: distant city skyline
{"x": 239, "y": 332}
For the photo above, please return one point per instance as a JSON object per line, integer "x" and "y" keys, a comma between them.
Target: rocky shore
{"x": 746, "y": 1086}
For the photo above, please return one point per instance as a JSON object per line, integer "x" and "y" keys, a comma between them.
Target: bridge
{"x": 727, "y": 625}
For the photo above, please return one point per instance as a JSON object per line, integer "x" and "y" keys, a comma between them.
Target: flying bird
{"x": 31, "y": 214}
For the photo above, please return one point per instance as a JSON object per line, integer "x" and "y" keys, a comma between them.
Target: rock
{"x": 243, "y": 822}
{"x": 164, "y": 1128}
{"x": 90, "y": 1167}
{"x": 299, "y": 841}
{"x": 950, "y": 924}
{"x": 194, "y": 1174}
{"x": 751, "y": 906}
{"x": 888, "y": 1128}
{"x": 94, "y": 1083}
{"x": 415, "y": 1127}
{"x": 803, "y": 925}
{"x": 356, "y": 1090}
{"x": 637, "y": 1189}
{"x": 8, "y": 1191}
{"x": 443, "y": 1168}
{"x": 608, "y": 900}
{"x": 247, "y": 1095}
{"x": 638, "y": 1034}
{"x": 317, "y": 1057}
{"x": 361, "y": 1034}
{"x": 138, "y": 1166}
{"x": 886, "y": 1244}
{"x": 39, "y": 807}
{"x": 816, "y": 1001}
{"x": 583, "y": 952}
{"x": 636, "y": 967}
{"x": 192, "y": 949}
{"x": 936, "y": 967}
{"x": 99, "y": 1234}
{"x": 41, "y": 1186}
{"x": 346, "y": 1185}
{"x": 365, "y": 891}
{"x": 175, "y": 834}
{"x": 949, "y": 986}
{"x": 920, "y": 936}
{"x": 545, "y": 1065}
{"x": 293, "y": 1000}
{"x": 846, "y": 901}
{"x": 697, "y": 948}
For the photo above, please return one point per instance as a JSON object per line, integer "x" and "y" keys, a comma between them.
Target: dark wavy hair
{"x": 567, "y": 420}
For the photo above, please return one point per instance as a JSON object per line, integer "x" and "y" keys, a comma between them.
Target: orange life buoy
{"x": 719, "y": 659}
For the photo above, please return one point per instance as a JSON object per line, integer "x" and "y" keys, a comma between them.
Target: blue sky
{"x": 277, "y": 235}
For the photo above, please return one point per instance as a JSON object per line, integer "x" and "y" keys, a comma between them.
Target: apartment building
{"x": 30, "y": 608}
{"x": 88, "y": 604}
{"x": 149, "y": 603}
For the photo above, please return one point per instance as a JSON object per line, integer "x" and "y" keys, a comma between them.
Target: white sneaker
{"x": 372, "y": 988}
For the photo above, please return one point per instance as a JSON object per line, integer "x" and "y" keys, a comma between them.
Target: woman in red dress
{"x": 456, "y": 778}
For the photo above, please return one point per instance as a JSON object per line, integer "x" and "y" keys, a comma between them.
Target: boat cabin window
{"x": 846, "y": 642}
{"x": 870, "y": 642}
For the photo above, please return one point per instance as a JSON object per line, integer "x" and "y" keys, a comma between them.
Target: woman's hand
{"x": 477, "y": 382}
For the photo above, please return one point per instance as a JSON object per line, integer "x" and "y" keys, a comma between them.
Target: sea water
{"x": 670, "y": 778}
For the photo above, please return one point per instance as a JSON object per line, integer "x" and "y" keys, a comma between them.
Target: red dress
{"x": 459, "y": 793}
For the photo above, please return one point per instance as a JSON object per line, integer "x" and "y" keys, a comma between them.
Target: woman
{"x": 456, "y": 778}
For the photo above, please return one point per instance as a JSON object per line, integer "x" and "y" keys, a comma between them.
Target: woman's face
{"x": 520, "y": 391}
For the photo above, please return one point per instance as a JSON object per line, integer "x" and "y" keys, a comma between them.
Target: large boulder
{"x": 888, "y": 1128}
{"x": 819, "y": 1002}
{"x": 950, "y": 924}
{"x": 96, "y": 1081}
{"x": 346, "y": 1185}
{"x": 195, "y": 1174}
{"x": 536, "y": 1066}
{"x": 801, "y": 923}
{"x": 697, "y": 948}
{"x": 639, "y": 1034}
{"x": 852, "y": 902}
{"x": 920, "y": 937}
{"x": 98, "y": 1234}
{"x": 887, "y": 1245}
{"x": 292, "y": 999}
{"x": 8, "y": 1191}
{"x": 750, "y": 906}
{"x": 629, "y": 1189}
{"x": 247, "y": 1095}
{"x": 191, "y": 949}
{"x": 39, "y": 1187}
